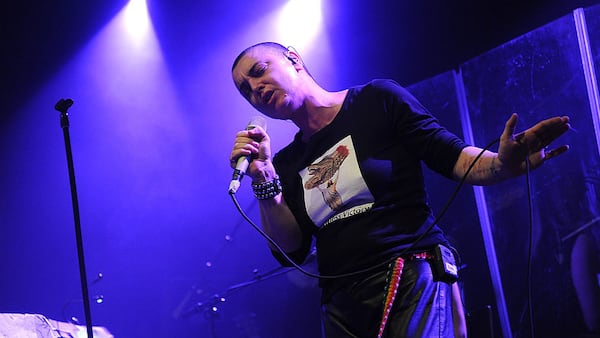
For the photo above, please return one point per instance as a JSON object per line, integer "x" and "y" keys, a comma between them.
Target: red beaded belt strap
{"x": 393, "y": 282}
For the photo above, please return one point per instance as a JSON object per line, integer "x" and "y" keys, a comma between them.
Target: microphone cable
{"x": 530, "y": 248}
{"x": 414, "y": 243}
{"x": 377, "y": 266}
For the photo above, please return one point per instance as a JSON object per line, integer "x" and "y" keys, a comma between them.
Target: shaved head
{"x": 271, "y": 45}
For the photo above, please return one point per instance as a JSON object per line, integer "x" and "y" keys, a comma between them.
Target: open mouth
{"x": 267, "y": 97}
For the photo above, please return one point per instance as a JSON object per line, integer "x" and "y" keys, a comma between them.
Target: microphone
{"x": 244, "y": 161}
{"x": 63, "y": 105}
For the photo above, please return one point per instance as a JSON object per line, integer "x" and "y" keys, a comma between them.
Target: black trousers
{"x": 422, "y": 307}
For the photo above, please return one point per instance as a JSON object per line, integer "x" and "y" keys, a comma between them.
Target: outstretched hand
{"x": 532, "y": 144}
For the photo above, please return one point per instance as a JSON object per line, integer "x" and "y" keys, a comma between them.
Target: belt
{"x": 391, "y": 287}
{"x": 419, "y": 255}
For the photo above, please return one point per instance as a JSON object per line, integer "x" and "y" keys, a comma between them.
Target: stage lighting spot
{"x": 137, "y": 21}
{"x": 300, "y": 21}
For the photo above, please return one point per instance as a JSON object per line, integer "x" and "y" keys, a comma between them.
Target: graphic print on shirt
{"x": 333, "y": 184}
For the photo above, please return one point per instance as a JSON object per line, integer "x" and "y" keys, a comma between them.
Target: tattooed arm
{"x": 513, "y": 151}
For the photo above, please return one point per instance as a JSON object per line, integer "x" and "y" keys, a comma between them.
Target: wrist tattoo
{"x": 494, "y": 170}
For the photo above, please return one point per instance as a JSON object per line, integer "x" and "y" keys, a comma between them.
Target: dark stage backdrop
{"x": 535, "y": 254}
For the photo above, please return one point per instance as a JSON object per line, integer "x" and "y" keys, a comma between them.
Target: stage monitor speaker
{"x": 38, "y": 326}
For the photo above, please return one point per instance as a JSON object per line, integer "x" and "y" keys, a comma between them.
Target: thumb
{"x": 509, "y": 128}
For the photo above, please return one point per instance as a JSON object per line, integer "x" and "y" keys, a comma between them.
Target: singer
{"x": 351, "y": 178}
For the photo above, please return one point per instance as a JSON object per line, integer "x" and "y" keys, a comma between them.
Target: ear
{"x": 294, "y": 58}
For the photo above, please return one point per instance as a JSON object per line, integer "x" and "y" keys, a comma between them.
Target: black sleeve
{"x": 420, "y": 130}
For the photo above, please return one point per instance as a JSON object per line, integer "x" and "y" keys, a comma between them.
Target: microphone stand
{"x": 212, "y": 301}
{"x": 209, "y": 306}
{"x": 581, "y": 228}
{"x": 62, "y": 106}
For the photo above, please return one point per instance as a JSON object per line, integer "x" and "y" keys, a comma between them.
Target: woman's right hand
{"x": 256, "y": 144}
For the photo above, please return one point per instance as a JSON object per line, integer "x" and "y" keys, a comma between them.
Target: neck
{"x": 319, "y": 111}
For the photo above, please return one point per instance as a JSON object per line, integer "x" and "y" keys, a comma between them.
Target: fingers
{"x": 551, "y": 128}
{"x": 532, "y": 143}
{"x": 243, "y": 146}
{"x": 539, "y": 158}
{"x": 251, "y": 143}
{"x": 548, "y": 154}
{"x": 543, "y": 133}
{"x": 557, "y": 127}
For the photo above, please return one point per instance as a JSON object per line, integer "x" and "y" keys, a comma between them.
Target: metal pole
{"x": 62, "y": 106}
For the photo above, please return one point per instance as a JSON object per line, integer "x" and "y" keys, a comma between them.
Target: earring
{"x": 293, "y": 59}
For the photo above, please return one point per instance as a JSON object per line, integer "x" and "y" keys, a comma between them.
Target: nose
{"x": 256, "y": 89}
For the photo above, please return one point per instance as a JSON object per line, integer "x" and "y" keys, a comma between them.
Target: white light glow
{"x": 137, "y": 21}
{"x": 300, "y": 22}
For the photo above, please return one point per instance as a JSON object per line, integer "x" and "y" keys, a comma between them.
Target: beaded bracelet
{"x": 266, "y": 190}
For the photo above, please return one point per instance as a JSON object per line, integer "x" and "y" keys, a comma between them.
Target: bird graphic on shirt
{"x": 325, "y": 174}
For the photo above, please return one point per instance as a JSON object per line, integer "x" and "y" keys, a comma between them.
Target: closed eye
{"x": 258, "y": 69}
